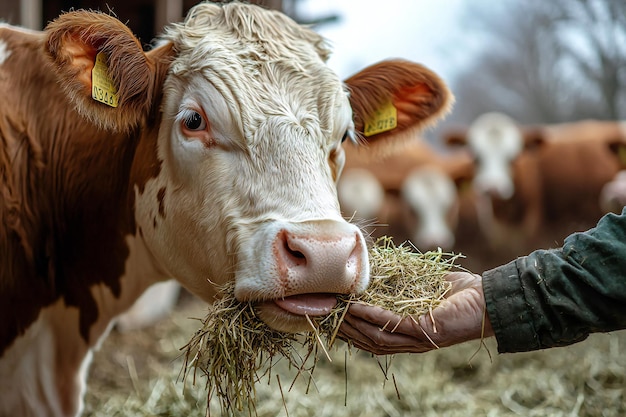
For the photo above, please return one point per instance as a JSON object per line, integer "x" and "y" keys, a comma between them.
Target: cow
{"x": 408, "y": 193}
{"x": 210, "y": 158}
{"x": 538, "y": 184}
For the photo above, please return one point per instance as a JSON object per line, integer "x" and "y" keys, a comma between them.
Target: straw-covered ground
{"x": 136, "y": 374}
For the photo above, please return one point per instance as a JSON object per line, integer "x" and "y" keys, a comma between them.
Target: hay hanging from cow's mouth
{"x": 234, "y": 349}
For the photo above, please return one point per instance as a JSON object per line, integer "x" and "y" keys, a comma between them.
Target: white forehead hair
{"x": 262, "y": 62}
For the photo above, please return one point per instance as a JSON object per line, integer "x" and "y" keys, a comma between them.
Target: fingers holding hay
{"x": 406, "y": 281}
{"x": 234, "y": 349}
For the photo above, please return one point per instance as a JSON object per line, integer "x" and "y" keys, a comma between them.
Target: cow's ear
{"x": 534, "y": 138}
{"x": 103, "y": 70}
{"x": 396, "y": 98}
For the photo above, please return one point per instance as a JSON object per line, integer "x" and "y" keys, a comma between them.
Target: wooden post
{"x": 31, "y": 14}
{"x": 167, "y": 11}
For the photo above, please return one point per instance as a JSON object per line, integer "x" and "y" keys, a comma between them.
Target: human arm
{"x": 558, "y": 297}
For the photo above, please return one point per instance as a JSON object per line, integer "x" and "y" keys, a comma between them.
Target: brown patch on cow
{"x": 160, "y": 199}
{"x": 147, "y": 164}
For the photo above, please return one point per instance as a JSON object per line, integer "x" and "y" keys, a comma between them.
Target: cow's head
{"x": 495, "y": 141}
{"x": 432, "y": 199}
{"x": 239, "y": 125}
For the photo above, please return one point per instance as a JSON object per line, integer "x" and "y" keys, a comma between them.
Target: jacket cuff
{"x": 508, "y": 310}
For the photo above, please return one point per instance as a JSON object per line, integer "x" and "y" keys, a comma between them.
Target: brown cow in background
{"x": 536, "y": 185}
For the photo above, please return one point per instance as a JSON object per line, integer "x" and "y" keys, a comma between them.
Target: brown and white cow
{"x": 539, "y": 184}
{"x": 218, "y": 164}
{"x": 411, "y": 192}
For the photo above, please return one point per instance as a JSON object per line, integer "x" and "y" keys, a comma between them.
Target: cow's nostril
{"x": 291, "y": 251}
{"x": 294, "y": 253}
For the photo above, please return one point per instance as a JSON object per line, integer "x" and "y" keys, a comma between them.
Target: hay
{"x": 438, "y": 383}
{"x": 234, "y": 350}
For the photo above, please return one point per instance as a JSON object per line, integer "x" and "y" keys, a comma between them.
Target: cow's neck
{"x": 107, "y": 263}
{"x": 88, "y": 240}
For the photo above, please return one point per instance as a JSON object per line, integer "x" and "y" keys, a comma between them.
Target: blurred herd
{"x": 492, "y": 190}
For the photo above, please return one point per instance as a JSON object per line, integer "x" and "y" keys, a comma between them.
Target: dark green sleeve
{"x": 558, "y": 297}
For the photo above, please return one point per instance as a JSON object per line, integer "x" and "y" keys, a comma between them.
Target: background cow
{"x": 538, "y": 184}
{"x": 420, "y": 189}
{"x": 213, "y": 157}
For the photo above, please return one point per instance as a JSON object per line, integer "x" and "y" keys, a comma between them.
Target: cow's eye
{"x": 349, "y": 134}
{"x": 194, "y": 122}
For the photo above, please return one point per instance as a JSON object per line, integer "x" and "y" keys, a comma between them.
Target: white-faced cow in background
{"x": 217, "y": 164}
{"x": 361, "y": 196}
{"x": 536, "y": 185}
{"x": 408, "y": 193}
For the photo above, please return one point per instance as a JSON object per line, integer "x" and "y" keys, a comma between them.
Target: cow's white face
{"x": 361, "y": 194}
{"x": 495, "y": 141}
{"x": 247, "y": 185}
{"x": 432, "y": 198}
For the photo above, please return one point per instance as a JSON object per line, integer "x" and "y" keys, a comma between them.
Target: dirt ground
{"x": 138, "y": 374}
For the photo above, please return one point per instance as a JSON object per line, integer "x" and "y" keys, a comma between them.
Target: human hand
{"x": 459, "y": 318}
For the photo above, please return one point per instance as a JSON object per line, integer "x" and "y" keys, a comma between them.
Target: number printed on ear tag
{"x": 102, "y": 87}
{"x": 384, "y": 119}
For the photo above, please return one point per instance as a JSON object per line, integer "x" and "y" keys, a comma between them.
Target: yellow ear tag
{"x": 384, "y": 119}
{"x": 102, "y": 87}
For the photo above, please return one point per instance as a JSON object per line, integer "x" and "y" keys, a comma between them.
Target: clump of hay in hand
{"x": 234, "y": 349}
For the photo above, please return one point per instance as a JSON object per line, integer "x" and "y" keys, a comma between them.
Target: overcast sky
{"x": 435, "y": 33}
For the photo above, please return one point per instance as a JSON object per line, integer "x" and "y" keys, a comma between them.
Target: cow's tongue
{"x": 311, "y": 304}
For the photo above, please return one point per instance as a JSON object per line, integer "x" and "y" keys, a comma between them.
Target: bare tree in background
{"x": 548, "y": 62}
{"x": 601, "y": 27}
